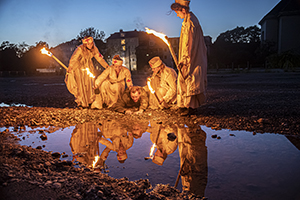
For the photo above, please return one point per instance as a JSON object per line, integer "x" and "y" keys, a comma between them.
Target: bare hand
{"x": 128, "y": 112}
{"x": 138, "y": 112}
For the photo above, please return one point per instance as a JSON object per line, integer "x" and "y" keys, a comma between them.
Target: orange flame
{"x": 152, "y": 150}
{"x": 149, "y": 86}
{"x": 95, "y": 161}
{"x": 157, "y": 34}
{"x": 44, "y": 51}
{"x": 89, "y": 73}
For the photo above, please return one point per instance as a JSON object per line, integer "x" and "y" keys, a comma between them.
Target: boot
{"x": 97, "y": 104}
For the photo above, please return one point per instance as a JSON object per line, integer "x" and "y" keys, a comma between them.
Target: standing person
{"x": 111, "y": 84}
{"x": 79, "y": 83}
{"x": 163, "y": 81}
{"x": 192, "y": 59}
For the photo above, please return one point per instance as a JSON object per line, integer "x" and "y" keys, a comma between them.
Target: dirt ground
{"x": 257, "y": 102}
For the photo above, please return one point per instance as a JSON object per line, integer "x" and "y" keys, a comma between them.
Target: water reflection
{"x": 246, "y": 166}
{"x": 193, "y": 159}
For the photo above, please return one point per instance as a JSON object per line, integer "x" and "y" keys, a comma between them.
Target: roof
{"x": 124, "y": 34}
{"x": 283, "y": 8}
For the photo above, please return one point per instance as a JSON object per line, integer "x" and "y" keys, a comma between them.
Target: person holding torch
{"x": 163, "y": 81}
{"x": 78, "y": 81}
{"x": 192, "y": 61}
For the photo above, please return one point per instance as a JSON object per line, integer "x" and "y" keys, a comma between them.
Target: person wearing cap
{"x": 133, "y": 101}
{"x": 79, "y": 83}
{"x": 192, "y": 59}
{"x": 111, "y": 84}
{"x": 163, "y": 81}
{"x": 159, "y": 135}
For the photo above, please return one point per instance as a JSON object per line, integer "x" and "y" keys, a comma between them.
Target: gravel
{"x": 256, "y": 102}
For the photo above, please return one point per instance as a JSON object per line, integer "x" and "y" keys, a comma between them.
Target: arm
{"x": 128, "y": 78}
{"x": 120, "y": 106}
{"x": 172, "y": 87}
{"x": 76, "y": 56}
{"x": 100, "y": 59}
{"x": 102, "y": 77}
{"x": 144, "y": 101}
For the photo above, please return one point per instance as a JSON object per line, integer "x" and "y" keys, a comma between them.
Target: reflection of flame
{"x": 149, "y": 86}
{"x": 89, "y": 73}
{"x": 157, "y": 34}
{"x": 95, "y": 161}
{"x": 44, "y": 51}
{"x": 152, "y": 150}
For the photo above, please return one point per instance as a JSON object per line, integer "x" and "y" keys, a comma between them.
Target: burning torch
{"x": 165, "y": 39}
{"x": 151, "y": 89}
{"x": 151, "y": 156}
{"x": 48, "y": 53}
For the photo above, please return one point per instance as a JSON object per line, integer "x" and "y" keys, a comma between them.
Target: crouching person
{"x": 111, "y": 84}
{"x": 163, "y": 81}
{"x": 133, "y": 101}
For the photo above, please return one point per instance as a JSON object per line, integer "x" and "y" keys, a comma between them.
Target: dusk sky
{"x": 58, "y": 21}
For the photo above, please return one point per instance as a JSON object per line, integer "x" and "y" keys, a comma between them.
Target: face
{"x": 180, "y": 14}
{"x": 135, "y": 96}
{"x": 90, "y": 45}
{"x": 155, "y": 70}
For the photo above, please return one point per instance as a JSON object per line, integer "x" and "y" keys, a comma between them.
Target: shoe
{"x": 188, "y": 112}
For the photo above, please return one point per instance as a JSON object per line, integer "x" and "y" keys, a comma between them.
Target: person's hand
{"x": 139, "y": 112}
{"x": 128, "y": 112}
{"x": 161, "y": 101}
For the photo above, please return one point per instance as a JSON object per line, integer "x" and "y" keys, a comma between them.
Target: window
{"x": 122, "y": 41}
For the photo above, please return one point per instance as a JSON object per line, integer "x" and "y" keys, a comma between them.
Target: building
{"x": 281, "y": 26}
{"x": 137, "y": 48}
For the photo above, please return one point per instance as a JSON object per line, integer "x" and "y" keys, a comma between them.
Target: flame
{"x": 44, "y": 51}
{"x": 149, "y": 86}
{"x": 89, "y": 73}
{"x": 157, "y": 34}
{"x": 95, "y": 161}
{"x": 152, "y": 150}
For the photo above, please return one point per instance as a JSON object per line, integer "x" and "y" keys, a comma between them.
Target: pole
{"x": 177, "y": 179}
{"x": 64, "y": 66}
{"x": 173, "y": 56}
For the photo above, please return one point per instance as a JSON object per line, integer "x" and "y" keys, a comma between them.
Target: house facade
{"x": 281, "y": 27}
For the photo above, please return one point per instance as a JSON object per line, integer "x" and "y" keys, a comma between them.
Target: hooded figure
{"x": 192, "y": 59}
{"x": 163, "y": 81}
{"x": 79, "y": 83}
{"x": 111, "y": 84}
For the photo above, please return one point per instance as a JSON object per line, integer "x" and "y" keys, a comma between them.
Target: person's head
{"x": 156, "y": 64}
{"x": 135, "y": 93}
{"x": 117, "y": 61}
{"x": 121, "y": 154}
{"x": 88, "y": 42}
{"x": 181, "y": 7}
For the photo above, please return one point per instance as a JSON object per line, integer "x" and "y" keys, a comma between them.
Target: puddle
{"x": 238, "y": 165}
{"x": 7, "y": 105}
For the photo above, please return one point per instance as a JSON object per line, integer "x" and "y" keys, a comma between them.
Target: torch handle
{"x": 62, "y": 64}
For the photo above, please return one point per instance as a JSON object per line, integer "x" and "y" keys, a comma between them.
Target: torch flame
{"x": 152, "y": 150}
{"x": 89, "y": 73}
{"x": 95, "y": 161}
{"x": 149, "y": 86}
{"x": 44, "y": 51}
{"x": 157, "y": 34}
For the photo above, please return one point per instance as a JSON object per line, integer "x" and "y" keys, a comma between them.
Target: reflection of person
{"x": 165, "y": 147}
{"x": 111, "y": 83}
{"x": 120, "y": 140}
{"x": 193, "y": 159}
{"x": 82, "y": 87}
{"x": 163, "y": 81}
{"x": 84, "y": 141}
{"x": 132, "y": 99}
{"x": 192, "y": 59}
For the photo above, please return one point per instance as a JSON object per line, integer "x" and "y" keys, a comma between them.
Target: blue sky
{"x": 57, "y": 21}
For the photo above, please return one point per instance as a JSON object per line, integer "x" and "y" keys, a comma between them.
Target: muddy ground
{"x": 256, "y": 102}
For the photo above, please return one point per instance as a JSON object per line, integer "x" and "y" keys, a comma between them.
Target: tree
{"x": 8, "y": 57}
{"x": 237, "y": 46}
{"x": 91, "y": 31}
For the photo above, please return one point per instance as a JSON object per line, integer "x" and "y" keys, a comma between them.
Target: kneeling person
{"x": 163, "y": 81}
{"x": 134, "y": 100}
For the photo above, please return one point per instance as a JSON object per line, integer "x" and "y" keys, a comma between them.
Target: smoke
{"x": 139, "y": 24}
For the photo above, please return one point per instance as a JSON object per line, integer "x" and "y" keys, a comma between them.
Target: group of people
{"x": 185, "y": 91}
